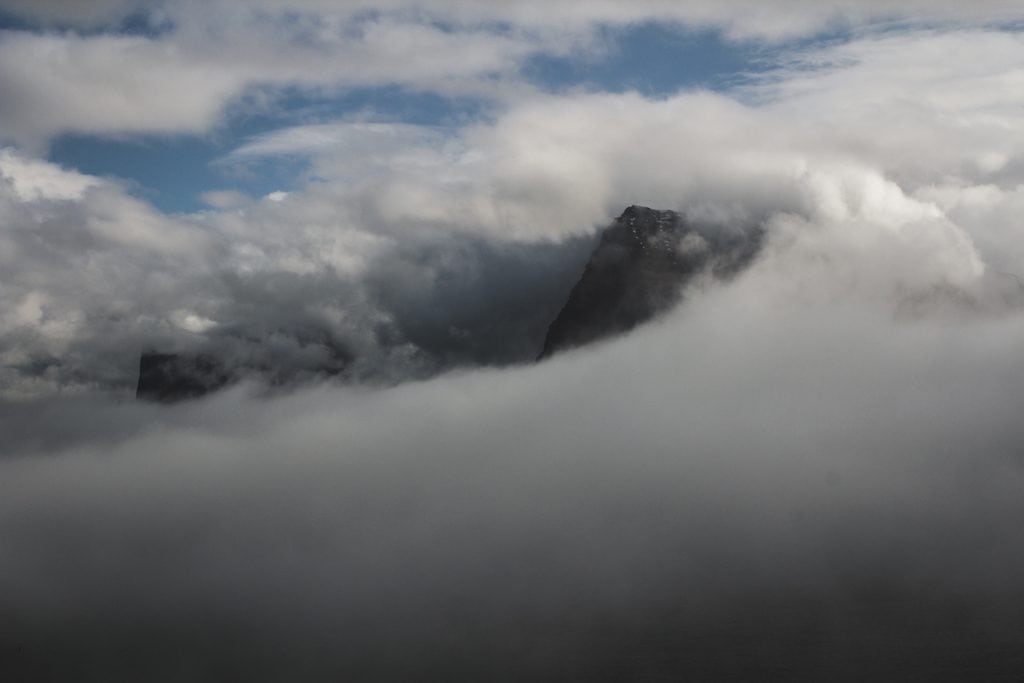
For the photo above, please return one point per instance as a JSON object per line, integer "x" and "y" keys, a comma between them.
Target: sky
{"x": 817, "y": 458}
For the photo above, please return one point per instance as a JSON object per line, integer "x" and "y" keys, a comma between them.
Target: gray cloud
{"x": 285, "y": 288}
{"x": 743, "y": 17}
{"x": 733, "y": 480}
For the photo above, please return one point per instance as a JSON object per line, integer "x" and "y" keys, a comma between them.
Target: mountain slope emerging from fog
{"x": 638, "y": 270}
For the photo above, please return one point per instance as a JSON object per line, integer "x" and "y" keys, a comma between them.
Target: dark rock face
{"x": 638, "y": 270}
{"x": 170, "y": 377}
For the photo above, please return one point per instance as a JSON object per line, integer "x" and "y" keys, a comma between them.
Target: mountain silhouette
{"x": 638, "y": 270}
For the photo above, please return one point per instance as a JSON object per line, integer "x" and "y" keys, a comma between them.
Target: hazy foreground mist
{"x": 752, "y": 486}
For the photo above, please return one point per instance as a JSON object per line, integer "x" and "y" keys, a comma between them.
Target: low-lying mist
{"x": 752, "y": 484}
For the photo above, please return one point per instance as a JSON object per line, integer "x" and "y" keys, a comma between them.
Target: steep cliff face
{"x": 638, "y": 270}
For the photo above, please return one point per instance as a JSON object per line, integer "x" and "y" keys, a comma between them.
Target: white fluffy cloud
{"x": 182, "y": 83}
{"x": 201, "y": 57}
{"x": 33, "y": 180}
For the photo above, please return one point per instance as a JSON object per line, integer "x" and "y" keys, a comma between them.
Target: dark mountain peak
{"x": 646, "y": 213}
{"x": 638, "y": 270}
{"x": 642, "y": 229}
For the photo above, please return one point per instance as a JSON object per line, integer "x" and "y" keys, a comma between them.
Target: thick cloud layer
{"x": 758, "y": 483}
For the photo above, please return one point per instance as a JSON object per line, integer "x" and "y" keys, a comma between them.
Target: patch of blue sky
{"x": 140, "y": 23}
{"x": 170, "y": 172}
{"x": 655, "y": 60}
{"x": 173, "y": 171}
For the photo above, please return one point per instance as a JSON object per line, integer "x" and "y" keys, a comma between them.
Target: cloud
{"x": 32, "y": 179}
{"x": 754, "y": 461}
{"x": 814, "y": 460}
{"x": 224, "y": 199}
{"x": 287, "y": 285}
{"x": 744, "y": 18}
{"x": 181, "y": 75}
{"x": 394, "y": 219}
{"x": 107, "y": 85}
{"x": 357, "y": 140}
{"x": 85, "y": 13}
{"x": 890, "y": 96}
{"x": 183, "y": 82}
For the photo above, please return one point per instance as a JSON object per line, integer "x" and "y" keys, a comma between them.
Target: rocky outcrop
{"x": 638, "y": 270}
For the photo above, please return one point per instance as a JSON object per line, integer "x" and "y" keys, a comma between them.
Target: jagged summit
{"x": 638, "y": 270}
